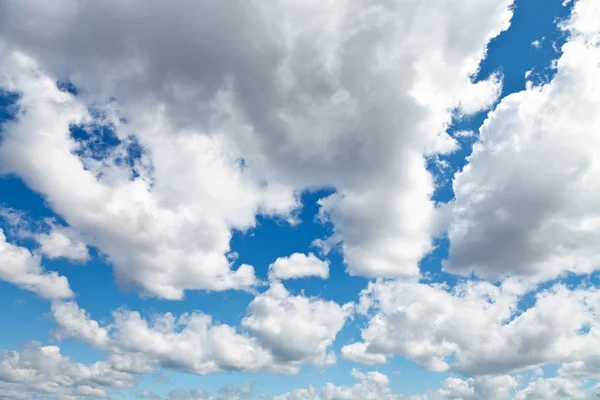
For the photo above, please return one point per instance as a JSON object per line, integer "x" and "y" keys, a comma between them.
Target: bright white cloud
{"x": 286, "y": 332}
{"x": 19, "y": 267}
{"x": 374, "y": 385}
{"x": 526, "y": 202}
{"x": 44, "y": 371}
{"x": 480, "y": 388}
{"x": 158, "y": 240}
{"x": 553, "y": 388}
{"x": 59, "y": 242}
{"x": 370, "y": 386}
{"x": 478, "y": 324}
{"x": 298, "y": 266}
{"x": 296, "y": 327}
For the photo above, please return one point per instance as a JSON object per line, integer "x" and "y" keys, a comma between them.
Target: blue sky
{"x": 166, "y": 160}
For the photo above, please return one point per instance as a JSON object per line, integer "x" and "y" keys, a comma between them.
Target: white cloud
{"x": 526, "y": 202}
{"x": 372, "y": 385}
{"x": 298, "y": 266}
{"x": 286, "y": 332}
{"x": 480, "y": 388}
{"x": 553, "y": 388}
{"x": 45, "y": 371}
{"x": 19, "y": 267}
{"x": 59, "y": 242}
{"x": 586, "y": 368}
{"x": 299, "y": 394}
{"x": 476, "y": 328}
{"x": 160, "y": 239}
{"x": 296, "y": 327}
{"x": 338, "y": 94}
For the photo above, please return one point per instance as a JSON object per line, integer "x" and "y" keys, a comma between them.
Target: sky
{"x": 299, "y": 200}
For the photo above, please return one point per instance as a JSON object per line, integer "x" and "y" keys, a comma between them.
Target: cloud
{"x": 160, "y": 240}
{"x": 296, "y": 327}
{"x": 148, "y": 394}
{"x": 225, "y": 393}
{"x": 298, "y": 266}
{"x": 481, "y": 388}
{"x": 19, "y": 267}
{"x": 59, "y": 243}
{"x": 286, "y": 332}
{"x": 526, "y": 204}
{"x": 553, "y": 388}
{"x": 341, "y": 94}
{"x": 374, "y": 385}
{"x": 45, "y": 371}
{"x": 476, "y": 328}
{"x": 370, "y": 386}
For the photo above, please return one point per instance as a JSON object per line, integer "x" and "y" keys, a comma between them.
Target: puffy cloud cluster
{"x": 476, "y": 328}
{"x": 161, "y": 236}
{"x": 526, "y": 202}
{"x": 375, "y": 386}
{"x": 298, "y": 266}
{"x": 22, "y": 268}
{"x": 370, "y": 386}
{"x": 61, "y": 242}
{"x": 283, "y": 333}
{"x": 44, "y": 371}
{"x": 192, "y": 119}
{"x": 233, "y": 119}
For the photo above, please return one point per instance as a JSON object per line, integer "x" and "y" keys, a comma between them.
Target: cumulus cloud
{"x": 157, "y": 239}
{"x": 298, "y": 266}
{"x": 44, "y": 371}
{"x": 372, "y": 385}
{"x": 284, "y": 333}
{"x": 476, "y": 328}
{"x": 526, "y": 202}
{"x": 553, "y": 388}
{"x": 296, "y": 327}
{"x": 61, "y": 243}
{"x": 20, "y": 267}
{"x": 480, "y": 388}
{"x": 237, "y": 118}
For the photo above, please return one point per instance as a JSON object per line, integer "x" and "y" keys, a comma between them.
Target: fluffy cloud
{"x": 371, "y": 386}
{"x": 298, "y": 266}
{"x": 18, "y": 266}
{"x": 375, "y": 386}
{"x": 526, "y": 202}
{"x": 43, "y": 371}
{"x": 60, "y": 242}
{"x": 479, "y": 388}
{"x": 296, "y": 327}
{"x": 553, "y": 388}
{"x": 161, "y": 239}
{"x": 286, "y": 332}
{"x": 342, "y": 94}
{"x": 478, "y": 324}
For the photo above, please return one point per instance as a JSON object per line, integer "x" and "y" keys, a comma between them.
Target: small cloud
{"x": 537, "y": 43}
{"x": 464, "y": 133}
